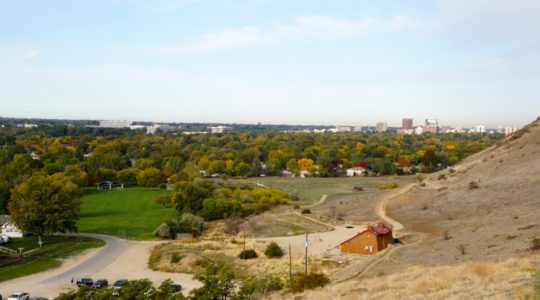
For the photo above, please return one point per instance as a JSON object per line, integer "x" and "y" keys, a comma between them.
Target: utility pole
{"x": 307, "y": 243}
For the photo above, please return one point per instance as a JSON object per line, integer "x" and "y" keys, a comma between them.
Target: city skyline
{"x": 272, "y": 61}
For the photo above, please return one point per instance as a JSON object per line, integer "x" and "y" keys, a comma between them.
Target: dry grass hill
{"x": 487, "y": 210}
{"x": 468, "y": 232}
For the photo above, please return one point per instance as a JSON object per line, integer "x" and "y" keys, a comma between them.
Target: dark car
{"x": 175, "y": 287}
{"x": 101, "y": 283}
{"x": 119, "y": 283}
{"x": 85, "y": 281}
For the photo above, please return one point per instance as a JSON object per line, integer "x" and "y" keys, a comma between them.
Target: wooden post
{"x": 290, "y": 264}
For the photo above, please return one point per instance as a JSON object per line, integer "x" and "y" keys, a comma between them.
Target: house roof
{"x": 379, "y": 229}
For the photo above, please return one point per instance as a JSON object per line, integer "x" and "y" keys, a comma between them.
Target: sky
{"x": 320, "y": 62}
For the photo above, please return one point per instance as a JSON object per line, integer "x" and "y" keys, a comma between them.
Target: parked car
{"x": 19, "y": 296}
{"x": 101, "y": 283}
{"x": 119, "y": 283}
{"x": 175, "y": 287}
{"x": 85, "y": 281}
{"x": 4, "y": 239}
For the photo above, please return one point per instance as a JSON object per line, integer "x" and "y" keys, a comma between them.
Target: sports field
{"x": 130, "y": 213}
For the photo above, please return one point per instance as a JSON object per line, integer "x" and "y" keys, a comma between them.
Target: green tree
{"x": 150, "y": 177}
{"x": 45, "y": 204}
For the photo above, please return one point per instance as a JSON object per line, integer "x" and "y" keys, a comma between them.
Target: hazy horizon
{"x": 464, "y": 63}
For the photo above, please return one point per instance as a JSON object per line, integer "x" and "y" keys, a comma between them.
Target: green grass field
{"x": 130, "y": 213}
{"x": 53, "y": 249}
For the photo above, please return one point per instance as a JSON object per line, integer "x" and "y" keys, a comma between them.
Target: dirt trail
{"x": 361, "y": 268}
{"x": 321, "y": 201}
{"x": 381, "y": 207}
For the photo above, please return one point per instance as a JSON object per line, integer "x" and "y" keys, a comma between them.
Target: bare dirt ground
{"x": 120, "y": 259}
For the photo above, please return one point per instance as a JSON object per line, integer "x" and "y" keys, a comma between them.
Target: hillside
{"x": 493, "y": 222}
{"x": 462, "y": 240}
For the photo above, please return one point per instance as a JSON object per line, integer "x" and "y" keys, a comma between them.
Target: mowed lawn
{"x": 131, "y": 213}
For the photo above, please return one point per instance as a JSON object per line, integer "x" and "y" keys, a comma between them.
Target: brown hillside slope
{"x": 493, "y": 222}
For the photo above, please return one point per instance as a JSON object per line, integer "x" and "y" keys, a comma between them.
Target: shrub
{"x": 446, "y": 235}
{"x": 163, "y": 231}
{"x": 163, "y": 200}
{"x": 535, "y": 244}
{"x": 310, "y": 281}
{"x": 296, "y": 206}
{"x": 188, "y": 223}
{"x": 175, "y": 257}
{"x": 441, "y": 177}
{"x": 306, "y": 211}
{"x": 262, "y": 284}
{"x": 452, "y": 171}
{"x": 461, "y": 249}
{"x": 358, "y": 188}
{"x": 388, "y": 186}
{"x": 294, "y": 196}
{"x": 273, "y": 250}
{"x": 248, "y": 254}
{"x": 155, "y": 257}
{"x": 473, "y": 185}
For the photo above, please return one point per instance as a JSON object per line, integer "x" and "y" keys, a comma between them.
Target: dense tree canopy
{"x": 91, "y": 155}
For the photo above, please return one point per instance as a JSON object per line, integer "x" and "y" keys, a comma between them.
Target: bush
{"x": 473, "y": 185}
{"x": 263, "y": 285}
{"x": 535, "y": 244}
{"x": 188, "y": 223}
{"x": 388, "y": 186}
{"x": 163, "y": 231}
{"x": 306, "y": 211}
{"x": 175, "y": 257}
{"x": 441, "y": 177}
{"x": 310, "y": 281}
{"x": 452, "y": 171}
{"x": 358, "y": 188}
{"x": 273, "y": 250}
{"x": 248, "y": 254}
{"x": 294, "y": 196}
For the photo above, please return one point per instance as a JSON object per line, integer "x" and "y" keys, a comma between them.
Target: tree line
{"x": 87, "y": 156}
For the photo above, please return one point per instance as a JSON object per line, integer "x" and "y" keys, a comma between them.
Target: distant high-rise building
{"x": 382, "y": 127}
{"x": 407, "y": 124}
{"x": 431, "y": 125}
{"x": 480, "y": 129}
{"x": 509, "y": 130}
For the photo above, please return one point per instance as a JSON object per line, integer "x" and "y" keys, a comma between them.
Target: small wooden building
{"x": 370, "y": 241}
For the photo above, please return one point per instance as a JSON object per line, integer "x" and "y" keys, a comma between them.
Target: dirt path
{"x": 361, "y": 267}
{"x": 381, "y": 207}
{"x": 321, "y": 201}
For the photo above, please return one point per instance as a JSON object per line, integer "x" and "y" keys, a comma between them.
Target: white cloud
{"x": 224, "y": 39}
{"x": 11, "y": 54}
{"x": 322, "y": 27}
{"x": 30, "y": 54}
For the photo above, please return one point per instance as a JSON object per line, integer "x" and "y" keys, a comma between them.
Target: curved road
{"x": 104, "y": 257}
{"x": 119, "y": 258}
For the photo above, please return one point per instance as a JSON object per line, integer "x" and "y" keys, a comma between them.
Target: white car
{"x": 4, "y": 239}
{"x": 19, "y": 296}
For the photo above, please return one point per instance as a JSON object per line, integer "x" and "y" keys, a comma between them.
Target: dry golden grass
{"x": 511, "y": 279}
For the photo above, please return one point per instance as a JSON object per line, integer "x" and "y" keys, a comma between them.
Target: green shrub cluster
{"x": 248, "y": 254}
{"x": 310, "y": 281}
{"x": 273, "y": 250}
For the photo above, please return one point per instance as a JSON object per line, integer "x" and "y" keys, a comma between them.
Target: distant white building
{"x": 351, "y": 172}
{"x": 431, "y": 125}
{"x": 419, "y": 130}
{"x": 114, "y": 124}
{"x": 480, "y": 129}
{"x": 382, "y": 127}
{"x": 341, "y": 128}
{"x": 219, "y": 129}
{"x": 509, "y": 130}
{"x": 10, "y": 229}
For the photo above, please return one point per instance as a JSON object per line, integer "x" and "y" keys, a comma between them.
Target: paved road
{"x": 118, "y": 259}
{"x": 99, "y": 261}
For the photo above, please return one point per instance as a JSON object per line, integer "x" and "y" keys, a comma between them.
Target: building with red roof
{"x": 370, "y": 241}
